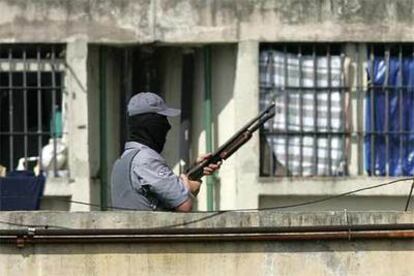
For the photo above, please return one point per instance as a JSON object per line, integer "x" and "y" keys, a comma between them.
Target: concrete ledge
{"x": 230, "y": 257}
{"x": 57, "y": 187}
{"x": 327, "y": 186}
{"x": 129, "y": 219}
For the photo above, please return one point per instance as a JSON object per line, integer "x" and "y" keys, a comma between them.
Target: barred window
{"x": 316, "y": 104}
{"x": 389, "y": 121}
{"x": 31, "y": 85}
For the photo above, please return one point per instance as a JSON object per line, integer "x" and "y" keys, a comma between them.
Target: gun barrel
{"x": 249, "y": 124}
{"x": 232, "y": 144}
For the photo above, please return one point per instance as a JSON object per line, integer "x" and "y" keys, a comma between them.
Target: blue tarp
{"x": 400, "y": 112}
{"x": 21, "y": 190}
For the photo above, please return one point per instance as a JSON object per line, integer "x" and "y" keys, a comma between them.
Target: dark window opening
{"x": 31, "y": 85}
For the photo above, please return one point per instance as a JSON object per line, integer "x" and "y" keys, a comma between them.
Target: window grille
{"x": 312, "y": 133}
{"x": 389, "y": 122}
{"x": 31, "y": 85}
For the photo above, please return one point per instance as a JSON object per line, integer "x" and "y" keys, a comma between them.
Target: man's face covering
{"x": 149, "y": 129}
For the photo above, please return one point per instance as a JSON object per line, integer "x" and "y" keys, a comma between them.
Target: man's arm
{"x": 186, "y": 206}
{"x": 193, "y": 187}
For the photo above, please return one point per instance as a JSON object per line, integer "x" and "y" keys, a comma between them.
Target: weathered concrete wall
{"x": 76, "y": 117}
{"x": 130, "y": 21}
{"x": 223, "y": 66}
{"x": 246, "y": 95}
{"x": 355, "y": 257}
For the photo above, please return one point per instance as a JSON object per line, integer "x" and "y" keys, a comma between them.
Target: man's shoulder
{"x": 145, "y": 154}
{"x": 147, "y": 160}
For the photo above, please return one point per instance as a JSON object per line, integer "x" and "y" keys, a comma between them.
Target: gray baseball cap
{"x": 148, "y": 102}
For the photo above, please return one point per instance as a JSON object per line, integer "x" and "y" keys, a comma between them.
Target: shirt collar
{"x": 133, "y": 145}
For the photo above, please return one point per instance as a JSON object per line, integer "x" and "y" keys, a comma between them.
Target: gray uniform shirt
{"x": 142, "y": 180}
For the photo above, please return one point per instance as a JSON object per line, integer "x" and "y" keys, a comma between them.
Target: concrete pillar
{"x": 222, "y": 84}
{"x": 246, "y": 99}
{"x": 223, "y": 73}
{"x": 77, "y": 118}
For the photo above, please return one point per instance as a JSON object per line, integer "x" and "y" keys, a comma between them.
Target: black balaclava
{"x": 149, "y": 129}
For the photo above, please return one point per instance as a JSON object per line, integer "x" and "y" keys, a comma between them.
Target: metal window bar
{"x": 387, "y": 143}
{"x": 25, "y": 127}
{"x": 11, "y": 121}
{"x": 400, "y": 101}
{"x": 398, "y": 89}
{"x": 344, "y": 118}
{"x": 286, "y": 99}
{"x": 53, "y": 130}
{"x": 34, "y": 60}
{"x": 286, "y": 90}
{"x": 371, "y": 91}
{"x": 386, "y": 126}
{"x": 300, "y": 91}
{"x": 272, "y": 164}
{"x": 300, "y": 109}
{"x": 360, "y": 98}
{"x": 328, "y": 55}
{"x": 39, "y": 107}
{"x": 315, "y": 110}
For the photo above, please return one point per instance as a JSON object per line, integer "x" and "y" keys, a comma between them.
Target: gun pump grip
{"x": 197, "y": 172}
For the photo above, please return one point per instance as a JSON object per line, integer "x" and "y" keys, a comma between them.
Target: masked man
{"x": 141, "y": 178}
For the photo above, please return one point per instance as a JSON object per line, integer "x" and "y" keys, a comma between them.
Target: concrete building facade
{"x": 114, "y": 49}
{"x": 300, "y": 243}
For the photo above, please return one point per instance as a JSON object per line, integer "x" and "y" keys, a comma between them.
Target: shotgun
{"x": 233, "y": 144}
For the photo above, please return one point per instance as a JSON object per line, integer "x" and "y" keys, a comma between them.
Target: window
{"x": 389, "y": 115}
{"x": 331, "y": 105}
{"x": 31, "y": 85}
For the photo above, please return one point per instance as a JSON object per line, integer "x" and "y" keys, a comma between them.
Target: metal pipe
{"x": 204, "y": 236}
{"x": 102, "y": 129}
{"x": 208, "y": 121}
{"x": 21, "y": 241}
{"x": 32, "y": 231}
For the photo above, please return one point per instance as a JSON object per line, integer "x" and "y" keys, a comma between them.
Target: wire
{"x": 45, "y": 226}
{"x": 409, "y": 197}
{"x": 329, "y": 197}
{"x": 216, "y": 213}
{"x": 268, "y": 208}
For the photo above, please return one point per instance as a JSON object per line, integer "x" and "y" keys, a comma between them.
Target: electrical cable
{"x": 267, "y": 208}
{"x": 409, "y": 197}
{"x": 216, "y": 213}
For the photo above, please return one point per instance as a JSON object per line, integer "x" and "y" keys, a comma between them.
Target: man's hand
{"x": 192, "y": 186}
{"x": 210, "y": 169}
